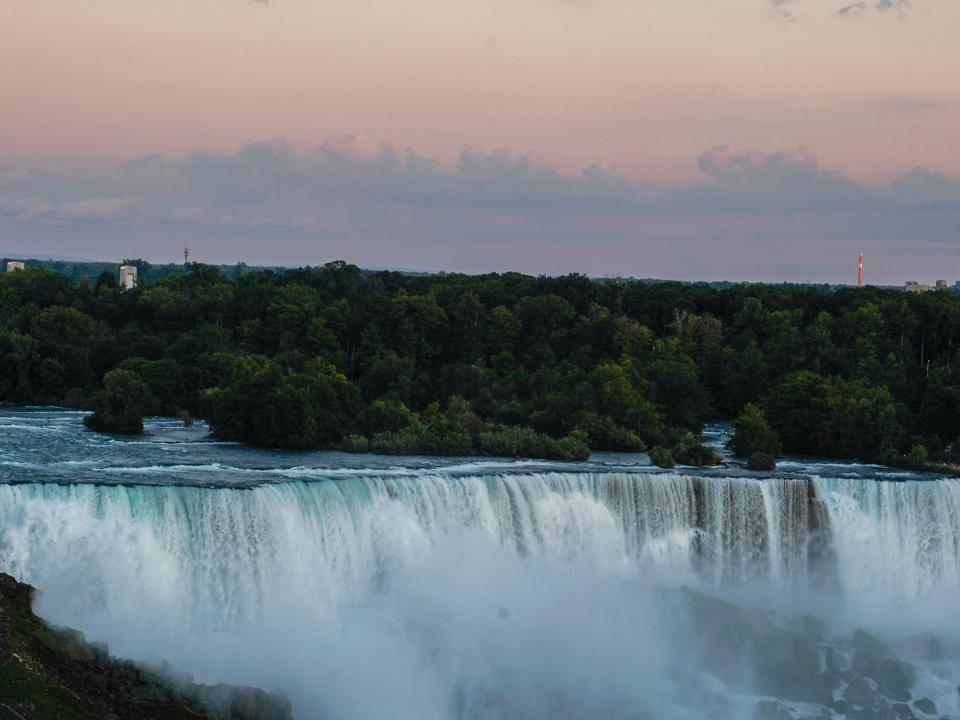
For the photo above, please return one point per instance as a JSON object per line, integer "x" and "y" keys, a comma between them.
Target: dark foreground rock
{"x": 874, "y": 658}
{"x": 54, "y": 674}
{"x": 926, "y": 705}
{"x": 748, "y": 652}
{"x": 796, "y": 661}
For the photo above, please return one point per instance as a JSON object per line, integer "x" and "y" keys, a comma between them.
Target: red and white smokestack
{"x": 860, "y": 272}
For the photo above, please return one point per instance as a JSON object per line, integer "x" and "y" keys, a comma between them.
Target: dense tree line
{"x": 496, "y": 364}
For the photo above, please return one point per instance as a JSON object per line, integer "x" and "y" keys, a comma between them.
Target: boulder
{"x": 860, "y": 693}
{"x": 771, "y": 710}
{"x": 902, "y": 711}
{"x": 926, "y": 705}
{"x": 874, "y": 659}
{"x": 255, "y": 704}
{"x": 748, "y": 652}
{"x": 246, "y": 703}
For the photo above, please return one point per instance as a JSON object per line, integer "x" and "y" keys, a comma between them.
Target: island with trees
{"x": 498, "y": 364}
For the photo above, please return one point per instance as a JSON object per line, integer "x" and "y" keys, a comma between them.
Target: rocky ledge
{"x": 49, "y": 673}
{"x": 804, "y": 674}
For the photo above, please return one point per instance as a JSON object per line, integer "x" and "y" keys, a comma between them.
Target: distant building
{"x": 915, "y": 287}
{"x": 941, "y": 284}
{"x": 14, "y": 265}
{"x": 128, "y": 277}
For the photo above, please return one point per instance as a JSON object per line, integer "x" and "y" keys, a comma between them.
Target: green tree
{"x": 752, "y": 434}
{"x": 119, "y": 406}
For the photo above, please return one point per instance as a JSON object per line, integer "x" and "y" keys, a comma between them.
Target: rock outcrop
{"x": 48, "y": 673}
{"x": 805, "y": 673}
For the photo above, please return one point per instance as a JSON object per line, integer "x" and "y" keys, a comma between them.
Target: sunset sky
{"x": 721, "y": 139}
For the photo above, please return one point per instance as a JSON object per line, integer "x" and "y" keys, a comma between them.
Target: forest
{"x": 498, "y": 364}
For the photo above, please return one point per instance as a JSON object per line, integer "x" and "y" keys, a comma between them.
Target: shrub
{"x": 752, "y": 434}
{"x": 604, "y": 434}
{"x": 761, "y": 461}
{"x": 916, "y": 459}
{"x": 512, "y": 441}
{"x": 572, "y": 447}
{"x": 690, "y": 450}
{"x": 662, "y": 457}
{"x": 355, "y": 444}
{"x": 119, "y": 406}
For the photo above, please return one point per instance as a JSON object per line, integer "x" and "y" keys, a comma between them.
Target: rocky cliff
{"x": 49, "y": 673}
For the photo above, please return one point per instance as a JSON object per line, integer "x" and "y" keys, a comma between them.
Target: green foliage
{"x": 335, "y": 356}
{"x": 119, "y": 406}
{"x": 835, "y": 417}
{"x": 512, "y": 441}
{"x": 602, "y": 432}
{"x": 459, "y": 431}
{"x": 761, "y": 461}
{"x": 662, "y": 457}
{"x": 266, "y": 402}
{"x": 752, "y": 434}
{"x": 917, "y": 458}
{"x": 690, "y": 450}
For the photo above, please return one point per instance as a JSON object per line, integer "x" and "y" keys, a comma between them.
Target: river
{"x": 385, "y": 587}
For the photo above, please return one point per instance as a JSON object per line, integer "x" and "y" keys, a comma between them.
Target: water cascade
{"x": 410, "y": 579}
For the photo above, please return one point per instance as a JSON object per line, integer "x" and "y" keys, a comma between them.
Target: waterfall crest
{"x": 229, "y": 550}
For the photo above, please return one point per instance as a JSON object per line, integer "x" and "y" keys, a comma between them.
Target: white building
{"x": 14, "y": 265}
{"x": 913, "y": 286}
{"x": 128, "y": 277}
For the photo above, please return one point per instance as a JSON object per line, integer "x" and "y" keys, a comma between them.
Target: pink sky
{"x": 642, "y": 87}
{"x": 646, "y": 86}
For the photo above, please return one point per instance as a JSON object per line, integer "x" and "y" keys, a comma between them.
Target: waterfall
{"x": 225, "y": 551}
{"x": 285, "y": 582}
{"x": 903, "y": 535}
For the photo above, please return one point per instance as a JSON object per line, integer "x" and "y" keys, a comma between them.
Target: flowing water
{"x": 373, "y": 587}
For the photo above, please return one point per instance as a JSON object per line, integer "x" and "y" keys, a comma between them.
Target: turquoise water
{"x": 444, "y": 581}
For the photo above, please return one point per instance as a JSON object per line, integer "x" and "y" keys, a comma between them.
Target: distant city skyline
{"x": 745, "y": 140}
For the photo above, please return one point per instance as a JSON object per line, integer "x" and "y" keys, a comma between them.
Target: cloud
{"x": 781, "y": 9}
{"x": 921, "y": 187}
{"x": 358, "y": 148}
{"x": 26, "y": 208}
{"x": 744, "y": 177}
{"x": 899, "y": 5}
{"x": 859, "y": 9}
{"x": 854, "y": 10}
{"x": 87, "y": 209}
{"x": 785, "y": 9}
{"x": 273, "y": 183}
{"x": 363, "y": 199}
{"x": 735, "y": 163}
{"x": 99, "y": 209}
